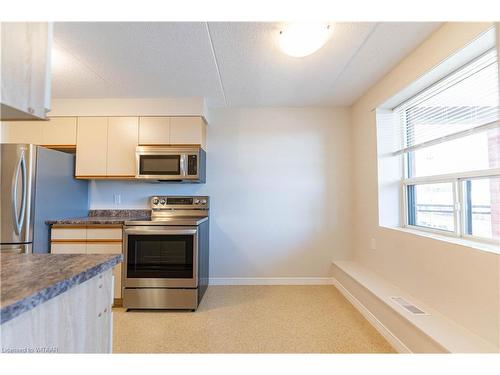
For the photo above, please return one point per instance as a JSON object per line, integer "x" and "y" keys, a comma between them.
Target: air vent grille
{"x": 408, "y": 306}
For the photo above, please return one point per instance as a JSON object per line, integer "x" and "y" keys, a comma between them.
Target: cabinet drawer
{"x": 69, "y": 234}
{"x": 68, "y": 248}
{"x": 104, "y": 248}
{"x": 104, "y": 234}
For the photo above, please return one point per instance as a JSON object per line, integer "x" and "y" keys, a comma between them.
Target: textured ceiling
{"x": 228, "y": 63}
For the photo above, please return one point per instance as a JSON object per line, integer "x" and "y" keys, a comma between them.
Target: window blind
{"x": 465, "y": 102}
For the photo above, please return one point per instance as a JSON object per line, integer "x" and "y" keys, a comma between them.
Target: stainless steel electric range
{"x": 166, "y": 257}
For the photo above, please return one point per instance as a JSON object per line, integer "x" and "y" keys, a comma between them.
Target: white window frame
{"x": 456, "y": 179}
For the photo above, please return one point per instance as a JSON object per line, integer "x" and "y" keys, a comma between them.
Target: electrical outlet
{"x": 117, "y": 198}
{"x": 373, "y": 244}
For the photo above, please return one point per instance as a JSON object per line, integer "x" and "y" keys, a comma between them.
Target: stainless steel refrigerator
{"x": 37, "y": 184}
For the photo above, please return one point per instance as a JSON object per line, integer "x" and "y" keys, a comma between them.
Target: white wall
{"x": 279, "y": 183}
{"x": 459, "y": 281}
{"x": 128, "y": 107}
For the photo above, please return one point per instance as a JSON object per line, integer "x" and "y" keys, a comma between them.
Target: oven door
{"x": 161, "y": 256}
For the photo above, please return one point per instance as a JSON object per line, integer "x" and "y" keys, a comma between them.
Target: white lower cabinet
{"x": 68, "y": 248}
{"x": 90, "y": 240}
{"x": 109, "y": 248}
{"x": 79, "y": 320}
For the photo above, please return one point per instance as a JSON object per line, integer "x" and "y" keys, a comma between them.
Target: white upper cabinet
{"x": 122, "y": 141}
{"x": 25, "y": 70}
{"x": 154, "y": 130}
{"x": 59, "y": 131}
{"x": 187, "y": 131}
{"x": 91, "y": 146}
{"x": 22, "y": 132}
{"x": 106, "y": 147}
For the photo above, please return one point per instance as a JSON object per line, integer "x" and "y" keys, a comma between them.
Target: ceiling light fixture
{"x": 303, "y": 39}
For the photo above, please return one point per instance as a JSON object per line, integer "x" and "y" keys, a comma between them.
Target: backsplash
{"x": 119, "y": 213}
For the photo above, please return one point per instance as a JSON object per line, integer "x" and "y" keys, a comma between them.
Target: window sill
{"x": 482, "y": 246}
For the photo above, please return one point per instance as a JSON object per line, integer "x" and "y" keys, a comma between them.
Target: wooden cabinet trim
{"x": 60, "y": 146}
{"x": 69, "y": 226}
{"x": 84, "y": 241}
{"x": 80, "y": 241}
{"x": 80, "y": 226}
{"x": 168, "y": 144}
{"x": 104, "y": 226}
{"x": 103, "y": 177}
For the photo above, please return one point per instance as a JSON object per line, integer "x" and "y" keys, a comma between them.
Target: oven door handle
{"x": 159, "y": 231}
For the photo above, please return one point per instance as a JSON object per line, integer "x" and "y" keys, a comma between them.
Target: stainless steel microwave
{"x": 171, "y": 163}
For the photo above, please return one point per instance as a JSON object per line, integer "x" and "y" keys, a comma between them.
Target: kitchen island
{"x": 56, "y": 302}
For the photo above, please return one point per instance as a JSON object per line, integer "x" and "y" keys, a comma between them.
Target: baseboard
{"x": 381, "y": 328}
{"x": 271, "y": 281}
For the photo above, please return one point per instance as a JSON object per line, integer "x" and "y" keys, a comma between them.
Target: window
{"x": 450, "y": 144}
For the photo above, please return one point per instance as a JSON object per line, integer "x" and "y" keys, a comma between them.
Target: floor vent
{"x": 408, "y": 306}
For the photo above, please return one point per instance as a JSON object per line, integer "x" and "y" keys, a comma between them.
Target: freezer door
{"x": 16, "y": 167}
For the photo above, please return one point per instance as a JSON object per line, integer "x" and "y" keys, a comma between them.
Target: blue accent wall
{"x": 58, "y": 194}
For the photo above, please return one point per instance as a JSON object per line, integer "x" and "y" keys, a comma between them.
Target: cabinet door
{"x": 91, "y": 146}
{"x": 187, "y": 131}
{"x": 109, "y": 248}
{"x": 154, "y": 130}
{"x": 122, "y": 141}
{"x": 76, "y": 321}
{"x": 68, "y": 248}
{"x": 22, "y": 132}
{"x": 60, "y": 131}
{"x": 25, "y": 52}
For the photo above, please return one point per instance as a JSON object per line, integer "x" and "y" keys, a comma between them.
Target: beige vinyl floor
{"x": 252, "y": 319}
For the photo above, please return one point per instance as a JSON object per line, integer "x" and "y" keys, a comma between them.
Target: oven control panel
{"x": 159, "y": 202}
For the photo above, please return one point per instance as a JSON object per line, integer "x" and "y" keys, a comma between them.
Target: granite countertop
{"x": 27, "y": 280}
{"x": 94, "y": 220}
{"x": 105, "y": 217}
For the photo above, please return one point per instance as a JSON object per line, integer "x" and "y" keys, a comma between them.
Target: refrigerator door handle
{"x": 18, "y": 216}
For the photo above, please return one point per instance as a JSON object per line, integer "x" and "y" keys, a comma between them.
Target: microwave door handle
{"x": 183, "y": 162}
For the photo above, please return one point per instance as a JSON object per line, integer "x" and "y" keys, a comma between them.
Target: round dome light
{"x": 303, "y": 39}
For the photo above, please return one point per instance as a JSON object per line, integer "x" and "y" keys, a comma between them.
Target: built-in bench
{"x": 427, "y": 332}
